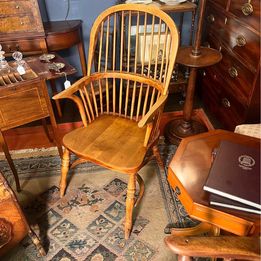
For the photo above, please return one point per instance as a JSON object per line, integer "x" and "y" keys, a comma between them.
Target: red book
{"x": 235, "y": 174}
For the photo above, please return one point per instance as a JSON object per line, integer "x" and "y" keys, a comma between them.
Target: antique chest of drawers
{"x": 231, "y": 89}
{"x": 21, "y": 26}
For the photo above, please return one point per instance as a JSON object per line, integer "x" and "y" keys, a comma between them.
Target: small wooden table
{"x": 42, "y": 70}
{"x": 23, "y": 99}
{"x": 187, "y": 175}
{"x": 61, "y": 35}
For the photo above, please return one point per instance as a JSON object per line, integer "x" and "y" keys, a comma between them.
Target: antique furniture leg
{"x": 10, "y": 161}
{"x": 130, "y": 204}
{"x": 82, "y": 57}
{"x": 195, "y": 57}
{"x": 57, "y": 103}
{"x": 46, "y": 130}
{"x": 156, "y": 153}
{"x": 141, "y": 189}
{"x": 36, "y": 242}
{"x": 64, "y": 171}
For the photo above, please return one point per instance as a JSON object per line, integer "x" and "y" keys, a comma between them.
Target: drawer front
{"x": 21, "y": 104}
{"x": 17, "y": 23}
{"x": 247, "y": 11}
{"x": 243, "y": 42}
{"x": 215, "y": 21}
{"x": 222, "y": 103}
{"x": 236, "y": 75}
{"x": 212, "y": 42}
{"x": 221, "y": 3}
{"x": 37, "y": 45}
{"x": 15, "y": 7}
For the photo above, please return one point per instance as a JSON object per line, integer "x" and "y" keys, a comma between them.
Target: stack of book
{"x": 234, "y": 178}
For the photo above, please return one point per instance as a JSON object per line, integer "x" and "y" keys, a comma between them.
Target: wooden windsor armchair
{"x": 133, "y": 49}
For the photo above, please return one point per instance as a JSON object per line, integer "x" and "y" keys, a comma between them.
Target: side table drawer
{"x": 236, "y": 75}
{"x": 247, "y": 11}
{"x": 18, "y": 23}
{"x": 36, "y": 45}
{"x": 215, "y": 21}
{"x": 31, "y": 106}
{"x": 222, "y": 103}
{"x": 221, "y": 3}
{"x": 243, "y": 42}
{"x": 14, "y": 7}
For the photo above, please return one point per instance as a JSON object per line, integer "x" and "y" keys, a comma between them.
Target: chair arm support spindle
{"x": 148, "y": 117}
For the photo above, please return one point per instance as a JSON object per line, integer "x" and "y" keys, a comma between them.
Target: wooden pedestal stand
{"x": 194, "y": 57}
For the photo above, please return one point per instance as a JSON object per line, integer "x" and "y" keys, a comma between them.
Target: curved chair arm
{"x": 68, "y": 93}
{"x": 221, "y": 246}
{"x": 147, "y": 118}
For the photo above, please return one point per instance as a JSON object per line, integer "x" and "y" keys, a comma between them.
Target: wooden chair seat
{"x": 111, "y": 141}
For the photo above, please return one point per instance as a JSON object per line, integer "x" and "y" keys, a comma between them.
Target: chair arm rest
{"x": 149, "y": 115}
{"x": 220, "y": 246}
{"x": 67, "y": 93}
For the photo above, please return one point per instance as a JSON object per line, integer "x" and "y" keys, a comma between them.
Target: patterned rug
{"x": 88, "y": 222}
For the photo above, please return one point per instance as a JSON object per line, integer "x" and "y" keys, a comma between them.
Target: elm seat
{"x": 115, "y": 142}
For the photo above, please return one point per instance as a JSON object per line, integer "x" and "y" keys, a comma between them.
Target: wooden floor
{"x": 35, "y": 137}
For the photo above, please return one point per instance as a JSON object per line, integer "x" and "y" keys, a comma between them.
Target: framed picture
{"x": 154, "y": 44}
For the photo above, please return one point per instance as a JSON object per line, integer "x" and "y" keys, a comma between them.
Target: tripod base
{"x": 178, "y": 129}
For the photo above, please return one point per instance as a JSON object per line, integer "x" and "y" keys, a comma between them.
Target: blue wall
{"x": 87, "y": 11}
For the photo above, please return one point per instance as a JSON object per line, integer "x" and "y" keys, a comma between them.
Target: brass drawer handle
{"x": 241, "y": 40}
{"x": 17, "y": 6}
{"x": 211, "y": 18}
{"x": 21, "y": 23}
{"x": 226, "y": 103}
{"x": 247, "y": 9}
{"x": 233, "y": 72}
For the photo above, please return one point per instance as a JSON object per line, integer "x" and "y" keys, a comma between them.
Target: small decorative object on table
{"x": 46, "y": 57}
{"x": 20, "y": 63}
{"x": 4, "y": 67}
{"x": 56, "y": 66}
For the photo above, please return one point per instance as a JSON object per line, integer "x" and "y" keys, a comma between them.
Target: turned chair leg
{"x": 141, "y": 189}
{"x": 130, "y": 204}
{"x": 36, "y": 242}
{"x": 156, "y": 154}
{"x": 64, "y": 171}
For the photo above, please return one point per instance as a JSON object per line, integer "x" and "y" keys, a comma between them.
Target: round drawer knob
{"x": 226, "y": 103}
{"x": 21, "y": 23}
{"x": 17, "y": 6}
{"x": 241, "y": 40}
{"x": 233, "y": 72}
{"x": 211, "y": 18}
{"x": 247, "y": 9}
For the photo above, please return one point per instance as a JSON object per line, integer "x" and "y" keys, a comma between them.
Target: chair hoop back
{"x": 134, "y": 38}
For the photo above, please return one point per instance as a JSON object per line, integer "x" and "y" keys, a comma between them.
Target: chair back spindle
{"x": 131, "y": 59}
